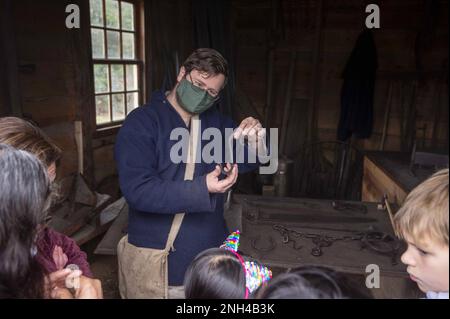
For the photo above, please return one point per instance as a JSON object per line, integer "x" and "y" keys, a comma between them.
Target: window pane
{"x": 113, "y": 44}
{"x": 127, "y": 16}
{"x": 132, "y": 77}
{"x": 102, "y": 109}
{"x": 101, "y": 78}
{"x": 96, "y": 9}
{"x": 117, "y": 77}
{"x": 118, "y": 107}
{"x": 98, "y": 44}
{"x": 132, "y": 101}
{"x": 112, "y": 14}
{"x": 128, "y": 45}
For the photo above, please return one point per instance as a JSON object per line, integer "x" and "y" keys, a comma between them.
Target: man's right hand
{"x": 221, "y": 186}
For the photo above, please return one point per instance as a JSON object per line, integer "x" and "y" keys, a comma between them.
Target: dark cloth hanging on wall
{"x": 212, "y": 30}
{"x": 172, "y": 34}
{"x": 168, "y": 33}
{"x": 358, "y": 89}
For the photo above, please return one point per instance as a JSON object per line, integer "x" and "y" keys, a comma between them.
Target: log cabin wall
{"x": 287, "y": 25}
{"x": 4, "y": 103}
{"x": 55, "y": 77}
{"x": 9, "y": 86}
{"x": 47, "y": 73}
{"x": 56, "y": 84}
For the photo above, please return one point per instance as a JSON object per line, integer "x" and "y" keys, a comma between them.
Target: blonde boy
{"x": 422, "y": 222}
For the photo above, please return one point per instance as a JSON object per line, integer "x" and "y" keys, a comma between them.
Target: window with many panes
{"x": 116, "y": 61}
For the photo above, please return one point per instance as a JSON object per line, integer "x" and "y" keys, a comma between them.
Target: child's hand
{"x": 61, "y": 293}
{"x": 89, "y": 289}
{"x": 59, "y": 258}
{"x": 58, "y": 279}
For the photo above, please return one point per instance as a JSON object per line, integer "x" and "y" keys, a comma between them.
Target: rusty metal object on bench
{"x": 317, "y": 212}
{"x": 378, "y": 242}
{"x": 382, "y": 243}
{"x": 342, "y": 206}
{"x": 346, "y": 236}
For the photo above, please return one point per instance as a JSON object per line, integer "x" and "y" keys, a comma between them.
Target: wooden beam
{"x": 287, "y": 104}
{"x": 386, "y": 115}
{"x": 80, "y": 47}
{"x": 312, "y": 117}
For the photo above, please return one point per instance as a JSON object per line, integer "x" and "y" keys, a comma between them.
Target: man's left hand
{"x": 250, "y": 127}
{"x": 253, "y": 129}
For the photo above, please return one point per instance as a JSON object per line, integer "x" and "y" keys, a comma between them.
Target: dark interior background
{"x": 46, "y": 69}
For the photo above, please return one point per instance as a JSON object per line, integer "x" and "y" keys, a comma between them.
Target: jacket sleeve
{"x": 144, "y": 190}
{"x": 73, "y": 252}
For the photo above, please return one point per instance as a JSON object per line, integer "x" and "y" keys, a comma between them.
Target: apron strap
{"x": 188, "y": 175}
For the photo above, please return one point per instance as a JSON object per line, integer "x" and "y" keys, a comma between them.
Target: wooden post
{"x": 80, "y": 49}
{"x": 386, "y": 115}
{"x": 78, "y": 126}
{"x": 315, "y": 72}
{"x": 437, "y": 99}
{"x": 287, "y": 103}
{"x": 267, "y": 112}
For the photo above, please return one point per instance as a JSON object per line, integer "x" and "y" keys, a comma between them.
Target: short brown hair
{"x": 424, "y": 213}
{"x": 207, "y": 60}
{"x": 23, "y": 135}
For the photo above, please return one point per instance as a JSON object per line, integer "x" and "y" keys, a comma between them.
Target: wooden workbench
{"x": 389, "y": 173}
{"x": 260, "y": 240}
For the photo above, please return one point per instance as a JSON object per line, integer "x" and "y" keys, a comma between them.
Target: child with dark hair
{"x": 24, "y": 197}
{"x": 54, "y": 250}
{"x": 309, "y": 282}
{"x": 222, "y": 273}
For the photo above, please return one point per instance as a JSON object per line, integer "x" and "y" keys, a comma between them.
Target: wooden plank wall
{"x": 47, "y": 73}
{"x": 9, "y": 91}
{"x": 57, "y": 86}
{"x": 4, "y": 101}
{"x": 55, "y": 79}
{"x": 342, "y": 22}
{"x": 56, "y": 82}
{"x": 54, "y": 72}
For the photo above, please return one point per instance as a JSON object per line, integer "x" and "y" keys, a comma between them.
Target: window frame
{"x": 139, "y": 60}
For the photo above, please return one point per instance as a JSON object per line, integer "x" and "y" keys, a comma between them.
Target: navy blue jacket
{"x": 155, "y": 189}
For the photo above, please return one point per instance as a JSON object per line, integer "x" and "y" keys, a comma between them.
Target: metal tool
{"x": 378, "y": 242}
{"x": 382, "y": 243}
{"x": 257, "y": 239}
{"x": 228, "y": 150}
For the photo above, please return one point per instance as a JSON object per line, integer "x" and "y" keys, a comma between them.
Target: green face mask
{"x": 192, "y": 98}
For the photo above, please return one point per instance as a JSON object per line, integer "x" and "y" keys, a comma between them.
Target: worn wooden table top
{"x": 396, "y": 166}
{"x": 260, "y": 239}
